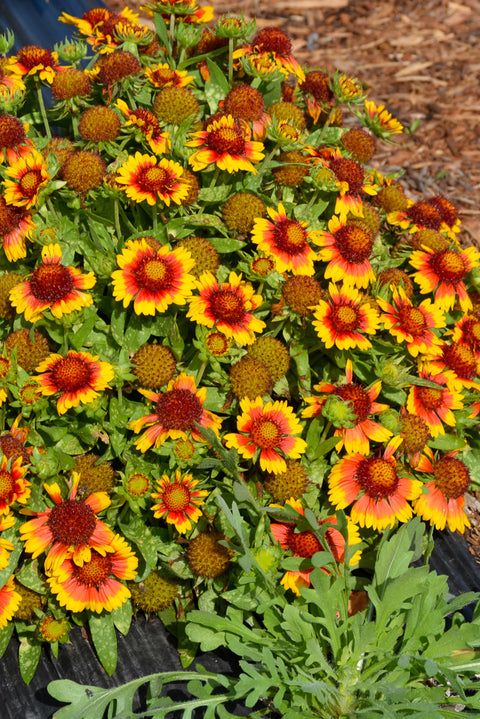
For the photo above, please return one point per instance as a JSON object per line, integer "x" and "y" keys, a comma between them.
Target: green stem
{"x": 171, "y": 35}
{"x": 215, "y": 177}
{"x": 64, "y": 349}
{"x": 75, "y": 126}
{"x": 267, "y": 159}
{"x": 154, "y": 218}
{"x": 327, "y": 123}
{"x": 430, "y": 543}
{"x": 116, "y": 218}
{"x": 43, "y": 112}
{"x": 231, "y": 50}
{"x": 201, "y": 371}
{"x": 313, "y": 199}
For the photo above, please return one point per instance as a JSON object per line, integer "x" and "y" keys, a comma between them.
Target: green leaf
{"x": 138, "y": 533}
{"x": 447, "y": 442}
{"x": 122, "y": 617}
{"x": 5, "y": 636}
{"x": 28, "y": 657}
{"x": 104, "y": 640}
{"x": 161, "y": 29}
{"x": 224, "y": 245}
{"x": 217, "y": 77}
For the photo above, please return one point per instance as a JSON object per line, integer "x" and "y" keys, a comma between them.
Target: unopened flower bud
{"x": 339, "y": 412}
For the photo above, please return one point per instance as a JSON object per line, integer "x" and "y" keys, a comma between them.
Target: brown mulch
{"x": 420, "y": 59}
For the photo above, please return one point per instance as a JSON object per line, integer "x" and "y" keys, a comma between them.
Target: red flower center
{"x": 176, "y": 497}
{"x": 272, "y": 39}
{"x": 153, "y": 179}
{"x": 471, "y": 332}
{"x": 178, "y": 409}
{"x": 7, "y": 485}
{"x": 359, "y": 398}
{"x": 449, "y": 266}
{"x": 377, "y": 477}
{"x": 348, "y": 171}
{"x": 10, "y": 217}
{"x": 447, "y": 210}
{"x": 290, "y": 237}
{"x": 70, "y": 374}
{"x": 217, "y": 343}
{"x": 412, "y": 320}
{"x": 154, "y": 274}
{"x": 50, "y": 283}
{"x": 265, "y": 433}
{"x": 31, "y": 55}
{"x": 353, "y": 243}
{"x": 145, "y": 119}
{"x": 29, "y": 182}
{"x": 72, "y": 522}
{"x": 245, "y": 102}
{"x": 226, "y": 140}
{"x": 305, "y": 544}
{"x": 227, "y": 306}
{"x": 11, "y": 131}
{"x": 461, "y": 359}
{"x": 344, "y": 318}
{"x": 95, "y": 572}
{"x": 452, "y": 477}
{"x": 430, "y": 398}
{"x": 425, "y": 215}
{"x": 163, "y": 76}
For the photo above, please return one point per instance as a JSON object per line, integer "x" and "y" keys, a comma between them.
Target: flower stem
{"x": 231, "y": 50}
{"x": 43, "y": 112}
{"x": 215, "y": 177}
{"x": 154, "y": 218}
{"x": 75, "y": 126}
{"x": 201, "y": 371}
{"x": 266, "y": 161}
{"x": 327, "y": 123}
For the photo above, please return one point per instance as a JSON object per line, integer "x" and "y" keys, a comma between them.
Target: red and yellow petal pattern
{"x": 434, "y": 405}
{"x": 443, "y": 274}
{"x": 145, "y": 177}
{"x": 9, "y": 602}
{"x": 13, "y": 485}
{"x": 222, "y": 143}
{"x": 29, "y": 174}
{"x": 345, "y": 319}
{"x": 179, "y": 500}
{"x": 347, "y": 249}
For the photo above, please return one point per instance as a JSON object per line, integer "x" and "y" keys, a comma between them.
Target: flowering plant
{"x": 211, "y": 302}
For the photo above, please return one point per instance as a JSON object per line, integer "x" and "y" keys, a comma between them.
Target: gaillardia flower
{"x": 9, "y": 602}
{"x": 179, "y": 500}
{"x": 285, "y": 240}
{"x": 36, "y": 60}
{"x": 378, "y": 489}
{"x": 347, "y": 249}
{"x": 228, "y": 306}
{"x": 442, "y": 503}
{"x": 70, "y": 528}
{"x": 29, "y": 174}
{"x": 16, "y": 225}
{"x": 94, "y": 584}
{"x": 6, "y": 547}
{"x": 269, "y": 429}
{"x": 176, "y": 413}
{"x": 434, "y": 404}
{"x": 222, "y": 143}
{"x": 153, "y": 278}
{"x": 13, "y": 485}
{"x": 147, "y": 123}
{"x": 274, "y": 44}
{"x": 78, "y": 378}
{"x": 52, "y": 286}
{"x": 344, "y": 319}
{"x": 147, "y": 178}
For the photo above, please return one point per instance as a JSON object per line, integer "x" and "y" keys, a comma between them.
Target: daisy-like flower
{"x": 5, "y": 367}
{"x": 78, "y": 378}
{"x": 378, "y": 490}
{"x": 147, "y": 123}
{"x": 6, "y": 547}
{"x": 269, "y": 429}
{"x": 153, "y": 278}
{"x": 363, "y": 402}
{"x": 70, "y": 528}
{"x": 162, "y": 75}
{"x": 15, "y": 227}
{"x": 413, "y": 325}
{"x": 458, "y": 362}
{"x": 434, "y": 405}
{"x": 147, "y": 178}
{"x": 444, "y": 273}
{"x": 13, "y": 140}
{"x": 442, "y": 503}
{"x": 228, "y": 306}
{"x": 35, "y": 60}
{"x": 13, "y": 485}
{"x": 29, "y": 175}
{"x": 222, "y": 143}
{"x": 345, "y": 318}
{"x": 286, "y": 241}
{"x": 179, "y": 500}
{"x": 347, "y": 249}
{"x": 381, "y": 121}
{"x": 10, "y": 78}
{"x": 306, "y": 544}
{"x": 90, "y": 20}
{"x": 53, "y": 286}
{"x": 176, "y": 413}
{"x": 95, "y": 584}
{"x": 467, "y": 331}
{"x": 9, "y": 602}
{"x": 271, "y": 44}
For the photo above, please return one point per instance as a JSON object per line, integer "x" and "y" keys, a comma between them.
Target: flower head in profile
{"x": 162, "y": 75}
{"x": 227, "y": 306}
{"x": 16, "y": 226}
{"x": 179, "y": 500}
{"x": 153, "y": 278}
{"x": 176, "y": 413}
{"x": 6, "y": 547}
{"x": 274, "y": 45}
{"x": 13, "y": 485}
{"x": 363, "y": 403}
{"x": 53, "y": 286}
{"x": 443, "y": 501}
{"x": 78, "y": 378}
{"x": 376, "y": 487}
{"x": 95, "y": 584}
{"x": 11, "y": 81}
{"x": 434, "y": 403}
{"x": 443, "y": 273}
{"x": 28, "y": 175}
{"x": 9, "y": 602}
{"x": 35, "y": 60}
{"x": 223, "y": 144}
{"x": 286, "y": 241}
{"x": 70, "y": 528}
{"x": 345, "y": 318}
{"x": 381, "y": 121}
{"x": 147, "y": 178}
{"x": 347, "y": 249}
{"x": 269, "y": 429}
{"x": 147, "y": 123}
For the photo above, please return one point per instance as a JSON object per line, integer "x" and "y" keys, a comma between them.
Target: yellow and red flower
{"x": 347, "y": 249}
{"x": 434, "y": 404}
{"x": 15, "y": 227}
{"x": 443, "y": 500}
{"x": 153, "y": 278}
{"x": 6, "y": 547}
{"x": 179, "y": 500}
{"x": 381, "y": 121}
{"x": 272, "y": 45}
{"x": 10, "y": 78}
{"x": 269, "y": 429}
{"x": 148, "y": 124}
{"x": 344, "y": 319}
{"x": 13, "y": 485}
{"x": 9, "y": 602}
{"x": 52, "y": 286}
{"x": 78, "y": 378}
{"x": 147, "y": 178}
{"x": 177, "y": 411}
{"x": 356, "y": 438}
{"x": 411, "y": 324}
{"x": 70, "y": 528}
{"x": 223, "y": 143}
{"x": 458, "y": 362}
{"x": 29, "y": 175}
{"x": 228, "y": 306}
{"x": 378, "y": 489}
{"x": 162, "y": 75}
{"x": 443, "y": 273}
{"x": 35, "y": 60}
{"x": 95, "y": 584}
{"x": 286, "y": 240}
